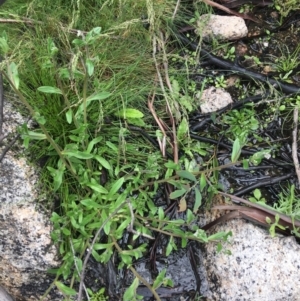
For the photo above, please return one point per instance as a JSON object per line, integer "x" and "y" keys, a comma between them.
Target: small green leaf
{"x": 78, "y": 264}
{"x": 98, "y": 96}
{"x": 48, "y": 89}
{"x": 187, "y": 175}
{"x": 183, "y": 129}
{"x": 103, "y": 162}
{"x": 77, "y": 154}
{"x": 115, "y": 187}
{"x": 93, "y": 143}
{"x": 66, "y": 231}
{"x": 202, "y": 182}
{"x": 34, "y": 135}
{"x": 52, "y": 49}
{"x": 161, "y": 213}
{"x": 106, "y": 227}
{"x": 102, "y": 246}
{"x": 90, "y": 203}
{"x": 97, "y": 187}
{"x": 127, "y": 259}
{"x": 57, "y": 175}
{"x": 246, "y": 164}
{"x": 14, "y": 75}
{"x": 198, "y": 200}
{"x": 171, "y": 165}
{"x": 130, "y": 113}
{"x": 130, "y": 292}
{"x": 236, "y": 150}
{"x": 136, "y": 121}
{"x": 159, "y": 279}
{"x": 219, "y": 247}
{"x": 39, "y": 119}
{"x": 123, "y": 225}
{"x": 74, "y": 222}
{"x": 257, "y": 194}
{"x": 111, "y": 146}
{"x": 169, "y": 246}
{"x": 177, "y": 193}
{"x": 65, "y": 289}
{"x": 189, "y": 216}
{"x": 69, "y": 116}
{"x": 90, "y": 67}
{"x": 220, "y": 236}
{"x": 3, "y": 45}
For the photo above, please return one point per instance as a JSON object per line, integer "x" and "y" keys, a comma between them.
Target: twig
{"x": 295, "y": 146}
{"x": 266, "y": 209}
{"x": 165, "y": 64}
{"x": 174, "y": 145}
{"x": 254, "y": 215}
{"x": 176, "y": 9}
{"x": 77, "y": 269}
{"x": 229, "y": 11}
{"x": 91, "y": 248}
{"x": 162, "y": 143}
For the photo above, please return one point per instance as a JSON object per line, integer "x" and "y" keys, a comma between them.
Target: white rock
{"x": 221, "y": 27}
{"x": 260, "y": 267}
{"x": 26, "y": 250}
{"x": 213, "y": 99}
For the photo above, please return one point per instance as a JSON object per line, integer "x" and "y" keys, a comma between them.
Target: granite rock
{"x": 260, "y": 267}
{"x": 213, "y": 99}
{"x": 221, "y": 27}
{"x": 26, "y": 250}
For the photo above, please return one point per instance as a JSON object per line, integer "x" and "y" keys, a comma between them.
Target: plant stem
{"x": 136, "y": 274}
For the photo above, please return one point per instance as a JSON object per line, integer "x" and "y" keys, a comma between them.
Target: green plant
{"x": 106, "y": 178}
{"x": 285, "y": 6}
{"x": 287, "y": 204}
{"x": 286, "y": 64}
{"x": 220, "y": 82}
{"x": 257, "y": 197}
{"x": 241, "y": 122}
{"x": 98, "y": 296}
{"x": 85, "y": 78}
{"x": 230, "y": 54}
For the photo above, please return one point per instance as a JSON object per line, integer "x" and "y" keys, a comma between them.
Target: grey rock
{"x": 221, "y": 27}
{"x": 26, "y": 251}
{"x": 260, "y": 267}
{"x": 213, "y": 99}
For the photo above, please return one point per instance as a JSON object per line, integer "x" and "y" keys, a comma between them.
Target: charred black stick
{"x": 243, "y": 72}
{"x": 263, "y": 183}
